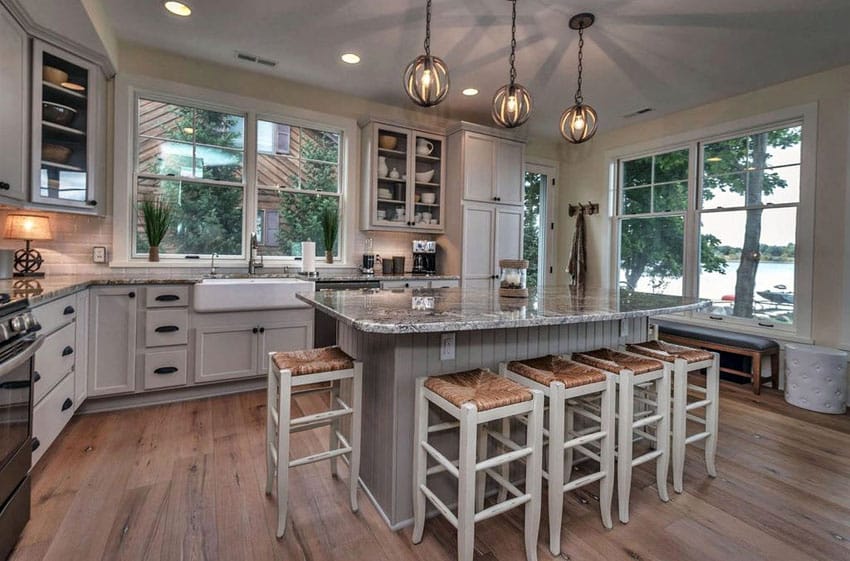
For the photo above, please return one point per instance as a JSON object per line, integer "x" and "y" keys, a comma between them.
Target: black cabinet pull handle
{"x": 5, "y": 186}
{"x": 36, "y": 376}
{"x": 167, "y": 329}
{"x": 35, "y": 443}
{"x": 15, "y": 385}
{"x": 255, "y": 330}
{"x": 132, "y": 295}
{"x": 68, "y": 310}
{"x": 91, "y": 203}
{"x": 262, "y": 330}
{"x": 167, "y": 298}
{"x": 69, "y": 350}
{"x": 165, "y": 370}
{"x": 67, "y": 404}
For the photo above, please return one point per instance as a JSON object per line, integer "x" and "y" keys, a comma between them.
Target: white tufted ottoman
{"x": 816, "y": 378}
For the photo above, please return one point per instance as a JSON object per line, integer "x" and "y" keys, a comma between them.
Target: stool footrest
{"x": 582, "y": 481}
{"x": 698, "y": 389}
{"x": 320, "y": 456}
{"x": 503, "y": 440}
{"x": 501, "y": 507}
{"x": 696, "y": 419}
{"x": 587, "y": 415}
{"x": 647, "y": 421}
{"x": 442, "y": 460}
{"x": 696, "y": 437}
{"x": 273, "y": 451}
{"x": 275, "y": 416}
{"x": 584, "y": 439}
{"x": 497, "y": 477}
{"x": 505, "y": 458}
{"x": 441, "y": 506}
{"x": 648, "y": 457}
{"x": 646, "y": 435}
{"x": 697, "y": 404}
{"x": 443, "y": 427}
{"x": 321, "y": 417}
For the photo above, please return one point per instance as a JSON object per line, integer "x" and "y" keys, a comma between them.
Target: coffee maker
{"x": 424, "y": 257}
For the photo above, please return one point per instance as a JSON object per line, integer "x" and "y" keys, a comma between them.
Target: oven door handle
{"x": 16, "y": 361}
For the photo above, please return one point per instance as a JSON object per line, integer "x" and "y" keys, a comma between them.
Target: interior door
{"x": 539, "y": 223}
{"x": 478, "y": 235}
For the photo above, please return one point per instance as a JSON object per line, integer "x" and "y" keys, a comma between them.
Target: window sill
{"x": 221, "y": 264}
{"x": 772, "y": 333}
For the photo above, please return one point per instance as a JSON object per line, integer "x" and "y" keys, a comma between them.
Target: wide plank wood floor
{"x": 185, "y": 482}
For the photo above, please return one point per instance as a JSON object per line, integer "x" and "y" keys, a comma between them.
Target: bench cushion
{"x": 719, "y": 336}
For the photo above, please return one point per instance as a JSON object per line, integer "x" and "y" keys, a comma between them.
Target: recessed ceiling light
{"x": 470, "y": 92}
{"x": 178, "y": 8}
{"x": 350, "y": 58}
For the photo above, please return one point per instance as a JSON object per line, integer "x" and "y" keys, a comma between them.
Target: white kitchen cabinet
{"x": 51, "y": 415}
{"x": 388, "y": 285}
{"x": 445, "y": 283}
{"x": 491, "y": 233}
{"x": 112, "y": 340}
{"x": 81, "y": 365}
{"x": 492, "y": 168}
{"x": 509, "y": 183}
{"x": 393, "y": 197}
{"x": 14, "y": 108}
{"x": 165, "y": 369}
{"x": 280, "y": 338}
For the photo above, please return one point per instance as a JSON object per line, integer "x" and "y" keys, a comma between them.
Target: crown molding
{"x": 34, "y": 29}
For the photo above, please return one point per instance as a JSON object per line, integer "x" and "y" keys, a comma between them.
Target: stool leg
{"x": 480, "y": 477}
{"x": 534, "y": 476}
{"x": 570, "y": 418}
{"x": 271, "y": 393}
{"x": 755, "y": 370}
{"x": 624, "y": 442}
{"x": 333, "y": 443}
{"x": 420, "y": 460}
{"x": 712, "y": 386}
{"x": 505, "y": 469}
{"x": 680, "y": 426}
{"x": 774, "y": 370}
{"x": 466, "y": 483}
{"x": 662, "y": 387}
{"x": 283, "y": 450}
{"x": 557, "y": 404}
{"x": 606, "y": 485}
{"x": 356, "y": 419}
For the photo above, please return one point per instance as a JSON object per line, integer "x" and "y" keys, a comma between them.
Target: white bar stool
{"x": 474, "y": 398}
{"x": 686, "y": 360}
{"x": 631, "y": 371}
{"x": 288, "y": 370}
{"x": 563, "y": 381}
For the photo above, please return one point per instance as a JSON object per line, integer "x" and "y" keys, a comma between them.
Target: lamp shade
{"x": 27, "y": 227}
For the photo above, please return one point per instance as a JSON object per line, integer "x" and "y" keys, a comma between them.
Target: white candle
{"x": 308, "y": 257}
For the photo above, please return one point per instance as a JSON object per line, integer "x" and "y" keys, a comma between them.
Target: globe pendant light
{"x": 579, "y": 122}
{"x": 426, "y": 79}
{"x": 512, "y": 102}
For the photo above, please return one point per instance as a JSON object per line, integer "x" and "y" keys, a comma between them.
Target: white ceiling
{"x": 664, "y": 54}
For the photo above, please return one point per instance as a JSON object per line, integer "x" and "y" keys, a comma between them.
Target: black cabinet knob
{"x": 255, "y": 330}
{"x": 67, "y": 351}
{"x": 167, "y": 329}
{"x": 132, "y": 295}
{"x": 67, "y": 404}
{"x": 5, "y": 186}
{"x": 165, "y": 370}
{"x": 35, "y": 444}
{"x": 68, "y": 310}
{"x": 36, "y": 377}
{"x": 262, "y": 330}
{"x": 91, "y": 203}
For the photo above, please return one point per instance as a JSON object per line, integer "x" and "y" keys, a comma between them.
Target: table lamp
{"x": 29, "y": 228}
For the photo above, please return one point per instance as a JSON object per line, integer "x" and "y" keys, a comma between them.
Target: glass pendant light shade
{"x": 511, "y": 105}
{"x": 512, "y": 102}
{"x": 426, "y": 80}
{"x": 578, "y": 123}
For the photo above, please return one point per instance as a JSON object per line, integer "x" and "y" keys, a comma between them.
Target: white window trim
{"x": 128, "y": 88}
{"x": 804, "y": 243}
{"x": 550, "y": 169}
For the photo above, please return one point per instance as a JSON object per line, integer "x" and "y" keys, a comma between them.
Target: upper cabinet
{"x": 67, "y": 131}
{"x": 14, "y": 109}
{"x": 492, "y": 168}
{"x": 403, "y": 179}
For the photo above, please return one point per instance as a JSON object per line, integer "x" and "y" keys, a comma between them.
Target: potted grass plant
{"x": 330, "y": 229}
{"x": 156, "y": 214}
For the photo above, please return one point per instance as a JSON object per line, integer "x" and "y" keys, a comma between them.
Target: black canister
{"x": 398, "y": 265}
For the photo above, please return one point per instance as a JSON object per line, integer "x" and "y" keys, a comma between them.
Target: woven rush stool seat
{"x": 482, "y": 388}
{"x": 634, "y": 374}
{"x": 614, "y": 361}
{"x": 547, "y": 369}
{"x": 684, "y": 361}
{"x": 571, "y": 389}
{"x": 312, "y": 361}
{"x": 669, "y": 352}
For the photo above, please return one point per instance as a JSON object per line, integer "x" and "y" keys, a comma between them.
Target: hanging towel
{"x": 578, "y": 256}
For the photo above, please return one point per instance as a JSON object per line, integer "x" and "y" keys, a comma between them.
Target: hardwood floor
{"x": 185, "y": 482}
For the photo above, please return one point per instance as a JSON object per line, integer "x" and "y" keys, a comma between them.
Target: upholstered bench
{"x": 723, "y": 341}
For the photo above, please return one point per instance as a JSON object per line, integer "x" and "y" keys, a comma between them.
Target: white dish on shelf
{"x": 384, "y": 193}
{"x": 424, "y": 176}
{"x": 429, "y": 198}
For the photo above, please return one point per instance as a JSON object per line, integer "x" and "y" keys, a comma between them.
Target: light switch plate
{"x": 98, "y": 254}
{"x": 447, "y": 346}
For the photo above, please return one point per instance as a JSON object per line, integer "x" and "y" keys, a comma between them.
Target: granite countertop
{"x": 43, "y": 289}
{"x": 457, "y": 309}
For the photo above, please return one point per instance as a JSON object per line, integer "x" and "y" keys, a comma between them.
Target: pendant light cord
{"x": 428, "y": 28}
{"x": 579, "y": 98}
{"x": 513, "y": 44}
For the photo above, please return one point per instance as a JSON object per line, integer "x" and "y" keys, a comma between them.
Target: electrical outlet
{"x": 98, "y": 254}
{"x": 447, "y": 346}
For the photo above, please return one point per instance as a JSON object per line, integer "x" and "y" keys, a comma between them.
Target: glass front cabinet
{"x": 403, "y": 176}
{"x": 67, "y": 131}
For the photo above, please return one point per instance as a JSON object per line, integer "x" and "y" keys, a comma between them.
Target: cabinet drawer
{"x": 165, "y": 369}
{"x": 404, "y": 284}
{"x": 166, "y": 327}
{"x": 445, "y": 283}
{"x": 57, "y": 313}
{"x": 51, "y": 415}
{"x": 167, "y": 296}
{"x": 54, "y": 360}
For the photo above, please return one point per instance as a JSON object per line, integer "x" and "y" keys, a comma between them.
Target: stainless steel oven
{"x": 18, "y": 343}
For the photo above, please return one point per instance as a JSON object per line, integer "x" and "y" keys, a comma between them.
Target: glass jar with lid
{"x": 513, "y": 278}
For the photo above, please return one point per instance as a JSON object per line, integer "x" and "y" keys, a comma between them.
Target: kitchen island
{"x": 400, "y": 335}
